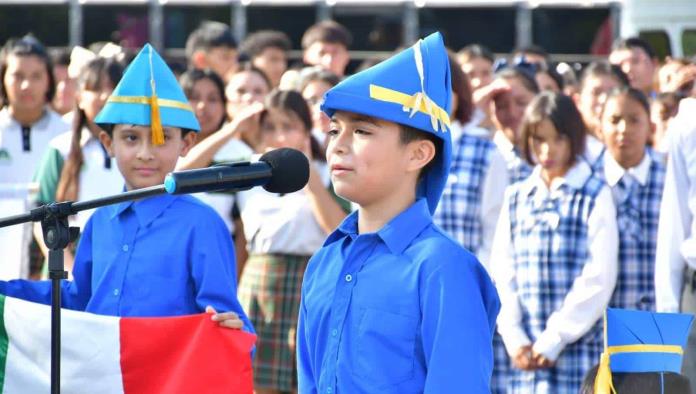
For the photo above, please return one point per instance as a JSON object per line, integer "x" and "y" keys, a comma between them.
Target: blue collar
{"x": 397, "y": 234}
{"x": 146, "y": 210}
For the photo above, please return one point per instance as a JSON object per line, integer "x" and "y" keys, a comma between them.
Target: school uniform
{"x": 555, "y": 264}
{"x": 637, "y": 194}
{"x": 99, "y": 175}
{"x": 281, "y": 233}
{"x": 404, "y": 309}
{"x": 594, "y": 150}
{"x": 517, "y": 166}
{"x": 21, "y": 148}
{"x": 470, "y": 204}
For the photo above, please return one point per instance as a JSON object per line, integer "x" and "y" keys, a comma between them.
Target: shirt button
{"x": 349, "y": 277}
{"x": 334, "y": 332}
{"x": 328, "y": 390}
{"x": 115, "y": 292}
{"x": 125, "y": 248}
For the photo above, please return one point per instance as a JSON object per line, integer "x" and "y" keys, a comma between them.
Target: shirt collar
{"x": 613, "y": 172}
{"x": 576, "y": 177}
{"x": 397, "y": 234}
{"x": 42, "y": 123}
{"x": 503, "y": 142}
{"x": 146, "y": 210}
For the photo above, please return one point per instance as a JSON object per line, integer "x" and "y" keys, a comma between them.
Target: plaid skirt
{"x": 269, "y": 291}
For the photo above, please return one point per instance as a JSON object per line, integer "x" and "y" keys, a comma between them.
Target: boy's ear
{"x": 198, "y": 60}
{"x": 107, "y": 141}
{"x": 421, "y": 152}
{"x": 188, "y": 140}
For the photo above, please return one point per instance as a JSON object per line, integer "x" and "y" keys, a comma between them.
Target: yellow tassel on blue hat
{"x": 156, "y": 119}
{"x": 603, "y": 383}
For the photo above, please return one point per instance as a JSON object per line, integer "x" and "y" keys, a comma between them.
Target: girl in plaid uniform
{"x": 636, "y": 176}
{"x": 282, "y": 232}
{"x": 554, "y": 255}
{"x": 471, "y": 201}
{"x": 511, "y": 92}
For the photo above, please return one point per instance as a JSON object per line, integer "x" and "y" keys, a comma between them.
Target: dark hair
{"x": 640, "y": 383}
{"x": 188, "y": 80}
{"x": 601, "y": 69}
{"x": 319, "y": 74}
{"x": 25, "y": 46}
{"x": 551, "y": 72}
{"x": 327, "y": 31}
{"x": 475, "y": 51}
{"x": 209, "y": 35}
{"x": 244, "y": 67}
{"x": 91, "y": 77}
{"x": 527, "y": 80}
{"x": 634, "y": 43}
{"x": 293, "y": 102}
{"x": 633, "y": 93}
{"x": 461, "y": 88}
{"x": 60, "y": 57}
{"x": 259, "y": 41}
{"x": 409, "y": 134}
{"x": 565, "y": 117}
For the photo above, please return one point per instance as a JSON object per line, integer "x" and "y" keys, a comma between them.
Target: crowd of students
{"x": 574, "y": 192}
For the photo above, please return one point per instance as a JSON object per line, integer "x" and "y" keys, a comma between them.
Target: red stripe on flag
{"x": 184, "y": 354}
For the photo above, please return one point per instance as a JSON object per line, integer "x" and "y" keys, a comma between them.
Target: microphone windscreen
{"x": 290, "y": 170}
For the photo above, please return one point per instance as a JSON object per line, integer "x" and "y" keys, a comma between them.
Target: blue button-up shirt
{"x": 160, "y": 256}
{"x": 402, "y": 310}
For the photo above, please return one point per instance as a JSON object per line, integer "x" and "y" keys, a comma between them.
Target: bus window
{"x": 689, "y": 43}
{"x": 291, "y": 20}
{"x": 180, "y": 21}
{"x": 659, "y": 40}
{"x": 48, "y": 23}
{"x": 126, "y": 25}
{"x": 493, "y": 27}
{"x": 552, "y": 28}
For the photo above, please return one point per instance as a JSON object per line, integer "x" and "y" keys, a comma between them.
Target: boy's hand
{"x": 523, "y": 358}
{"x": 225, "y": 319}
{"x": 540, "y": 361}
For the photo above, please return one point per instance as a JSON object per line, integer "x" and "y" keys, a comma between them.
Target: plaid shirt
{"x": 459, "y": 211}
{"x": 637, "y": 208}
{"x": 550, "y": 249}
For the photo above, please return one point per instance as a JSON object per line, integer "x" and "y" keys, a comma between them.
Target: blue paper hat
{"x": 639, "y": 341}
{"x": 149, "y": 95}
{"x": 411, "y": 88}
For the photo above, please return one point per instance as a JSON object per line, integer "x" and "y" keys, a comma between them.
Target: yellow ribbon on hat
{"x": 417, "y": 102}
{"x": 603, "y": 382}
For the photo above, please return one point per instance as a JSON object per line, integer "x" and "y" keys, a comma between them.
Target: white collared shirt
{"x": 16, "y": 165}
{"x": 589, "y": 296}
{"x": 676, "y": 232}
{"x": 613, "y": 172}
{"x": 593, "y": 149}
{"x": 275, "y": 223}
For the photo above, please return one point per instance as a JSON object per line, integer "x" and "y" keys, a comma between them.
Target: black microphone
{"x": 281, "y": 170}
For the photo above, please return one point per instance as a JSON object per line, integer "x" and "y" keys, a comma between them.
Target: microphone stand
{"x": 57, "y": 235}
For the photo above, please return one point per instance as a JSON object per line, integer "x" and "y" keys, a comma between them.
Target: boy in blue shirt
{"x": 159, "y": 256}
{"x": 391, "y": 304}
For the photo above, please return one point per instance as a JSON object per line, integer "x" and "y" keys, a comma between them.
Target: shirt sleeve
{"x": 459, "y": 306}
{"x": 672, "y": 230}
{"x": 591, "y": 291}
{"x": 214, "y": 269}
{"x": 48, "y": 175}
{"x": 502, "y": 267}
{"x": 75, "y": 294}
{"x": 305, "y": 371}
{"x": 492, "y": 195}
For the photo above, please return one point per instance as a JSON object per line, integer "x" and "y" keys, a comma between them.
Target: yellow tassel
{"x": 156, "y": 122}
{"x": 603, "y": 383}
